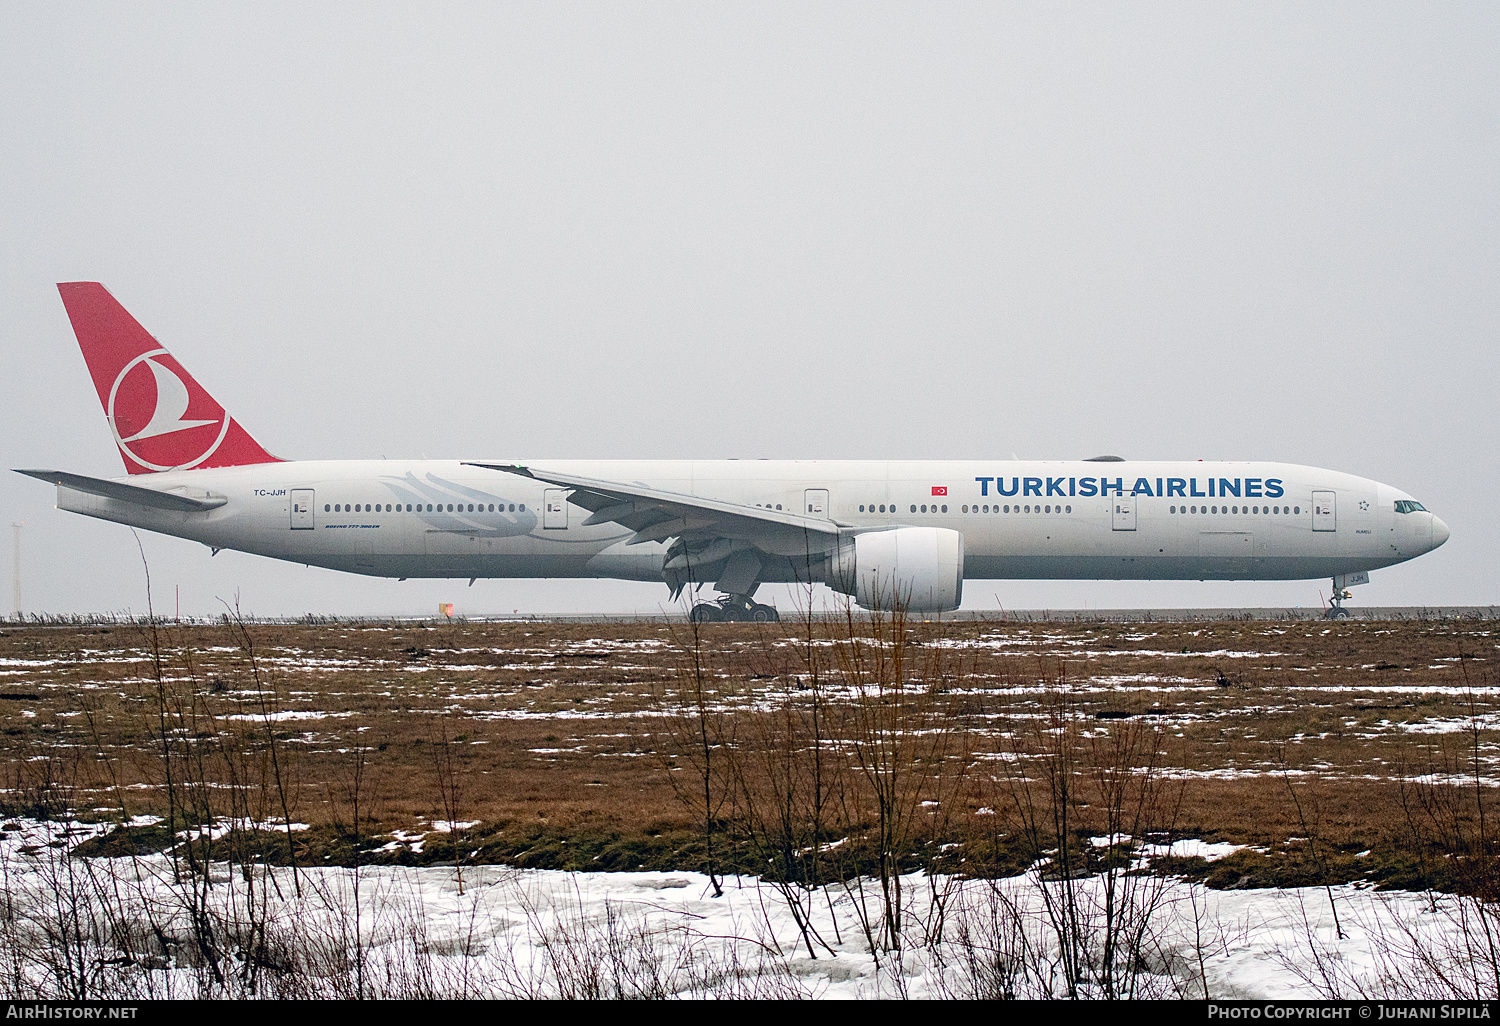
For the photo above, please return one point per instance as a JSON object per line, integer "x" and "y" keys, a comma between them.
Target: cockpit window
{"x": 1409, "y": 506}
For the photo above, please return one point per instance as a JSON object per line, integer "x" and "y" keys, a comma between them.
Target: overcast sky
{"x": 927, "y": 231}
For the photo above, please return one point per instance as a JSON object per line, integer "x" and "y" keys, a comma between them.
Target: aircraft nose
{"x": 1439, "y": 532}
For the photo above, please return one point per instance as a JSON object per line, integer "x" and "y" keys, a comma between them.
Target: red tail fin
{"x": 161, "y": 418}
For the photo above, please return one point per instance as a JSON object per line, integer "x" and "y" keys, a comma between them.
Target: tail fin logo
{"x": 148, "y": 412}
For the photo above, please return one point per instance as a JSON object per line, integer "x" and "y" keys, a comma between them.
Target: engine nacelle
{"x": 916, "y": 569}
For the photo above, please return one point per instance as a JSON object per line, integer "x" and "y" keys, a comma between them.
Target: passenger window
{"x": 1070, "y": 509}
{"x": 913, "y": 508}
{"x": 945, "y": 509}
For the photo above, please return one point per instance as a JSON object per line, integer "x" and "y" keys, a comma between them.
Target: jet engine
{"x": 915, "y": 569}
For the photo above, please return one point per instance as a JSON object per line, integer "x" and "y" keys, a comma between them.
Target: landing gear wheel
{"x": 764, "y": 614}
{"x": 703, "y": 612}
{"x": 1336, "y": 610}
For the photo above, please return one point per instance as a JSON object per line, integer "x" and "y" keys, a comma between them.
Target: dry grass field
{"x": 1333, "y": 751}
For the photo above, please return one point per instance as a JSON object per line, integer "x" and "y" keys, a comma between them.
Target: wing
{"x": 656, "y": 515}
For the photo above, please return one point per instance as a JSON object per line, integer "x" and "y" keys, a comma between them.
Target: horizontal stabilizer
{"x": 123, "y": 492}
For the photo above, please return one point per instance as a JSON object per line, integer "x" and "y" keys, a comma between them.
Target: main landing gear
{"x": 737, "y": 608}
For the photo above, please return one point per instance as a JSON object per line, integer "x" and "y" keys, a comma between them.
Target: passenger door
{"x": 1123, "y": 517}
{"x": 815, "y": 502}
{"x": 1325, "y": 511}
{"x": 555, "y": 509}
{"x": 302, "y": 508}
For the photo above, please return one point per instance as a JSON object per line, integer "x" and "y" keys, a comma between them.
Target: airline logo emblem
{"x": 939, "y": 489}
{"x": 149, "y": 411}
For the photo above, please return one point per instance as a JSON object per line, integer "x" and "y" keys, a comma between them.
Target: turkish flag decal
{"x": 939, "y": 489}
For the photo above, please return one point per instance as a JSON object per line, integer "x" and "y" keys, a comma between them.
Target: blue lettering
{"x": 1033, "y": 486}
{"x": 1193, "y": 490}
{"x": 1015, "y": 486}
{"x": 1227, "y": 488}
{"x": 1054, "y": 486}
{"x": 1252, "y": 488}
{"x": 1105, "y": 486}
{"x": 1176, "y": 486}
{"x": 1273, "y": 488}
{"x": 984, "y": 484}
{"x": 1087, "y": 487}
{"x": 1072, "y": 486}
{"x": 1141, "y": 487}
{"x": 1158, "y": 487}
{"x": 1210, "y": 488}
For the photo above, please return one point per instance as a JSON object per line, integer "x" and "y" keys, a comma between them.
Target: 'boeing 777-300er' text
{"x": 888, "y": 534}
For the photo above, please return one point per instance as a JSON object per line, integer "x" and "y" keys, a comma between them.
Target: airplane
{"x": 887, "y": 534}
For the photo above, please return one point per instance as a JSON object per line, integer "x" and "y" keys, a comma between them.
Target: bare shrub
{"x": 1082, "y": 801}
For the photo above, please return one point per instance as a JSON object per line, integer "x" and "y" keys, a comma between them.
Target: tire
{"x": 764, "y": 614}
{"x": 1337, "y": 613}
{"x": 704, "y": 613}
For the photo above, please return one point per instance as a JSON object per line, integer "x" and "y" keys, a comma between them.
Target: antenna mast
{"x": 16, "y": 590}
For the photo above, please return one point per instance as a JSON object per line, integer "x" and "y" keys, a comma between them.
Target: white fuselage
{"x": 1159, "y": 520}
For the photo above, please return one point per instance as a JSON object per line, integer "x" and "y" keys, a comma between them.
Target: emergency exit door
{"x": 1124, "y": 513}
{"x": 815, "y": 502}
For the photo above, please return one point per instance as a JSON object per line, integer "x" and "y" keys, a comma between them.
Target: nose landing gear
{"x": 1341, "y": 584}
{"x": 1337, "y": 611}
